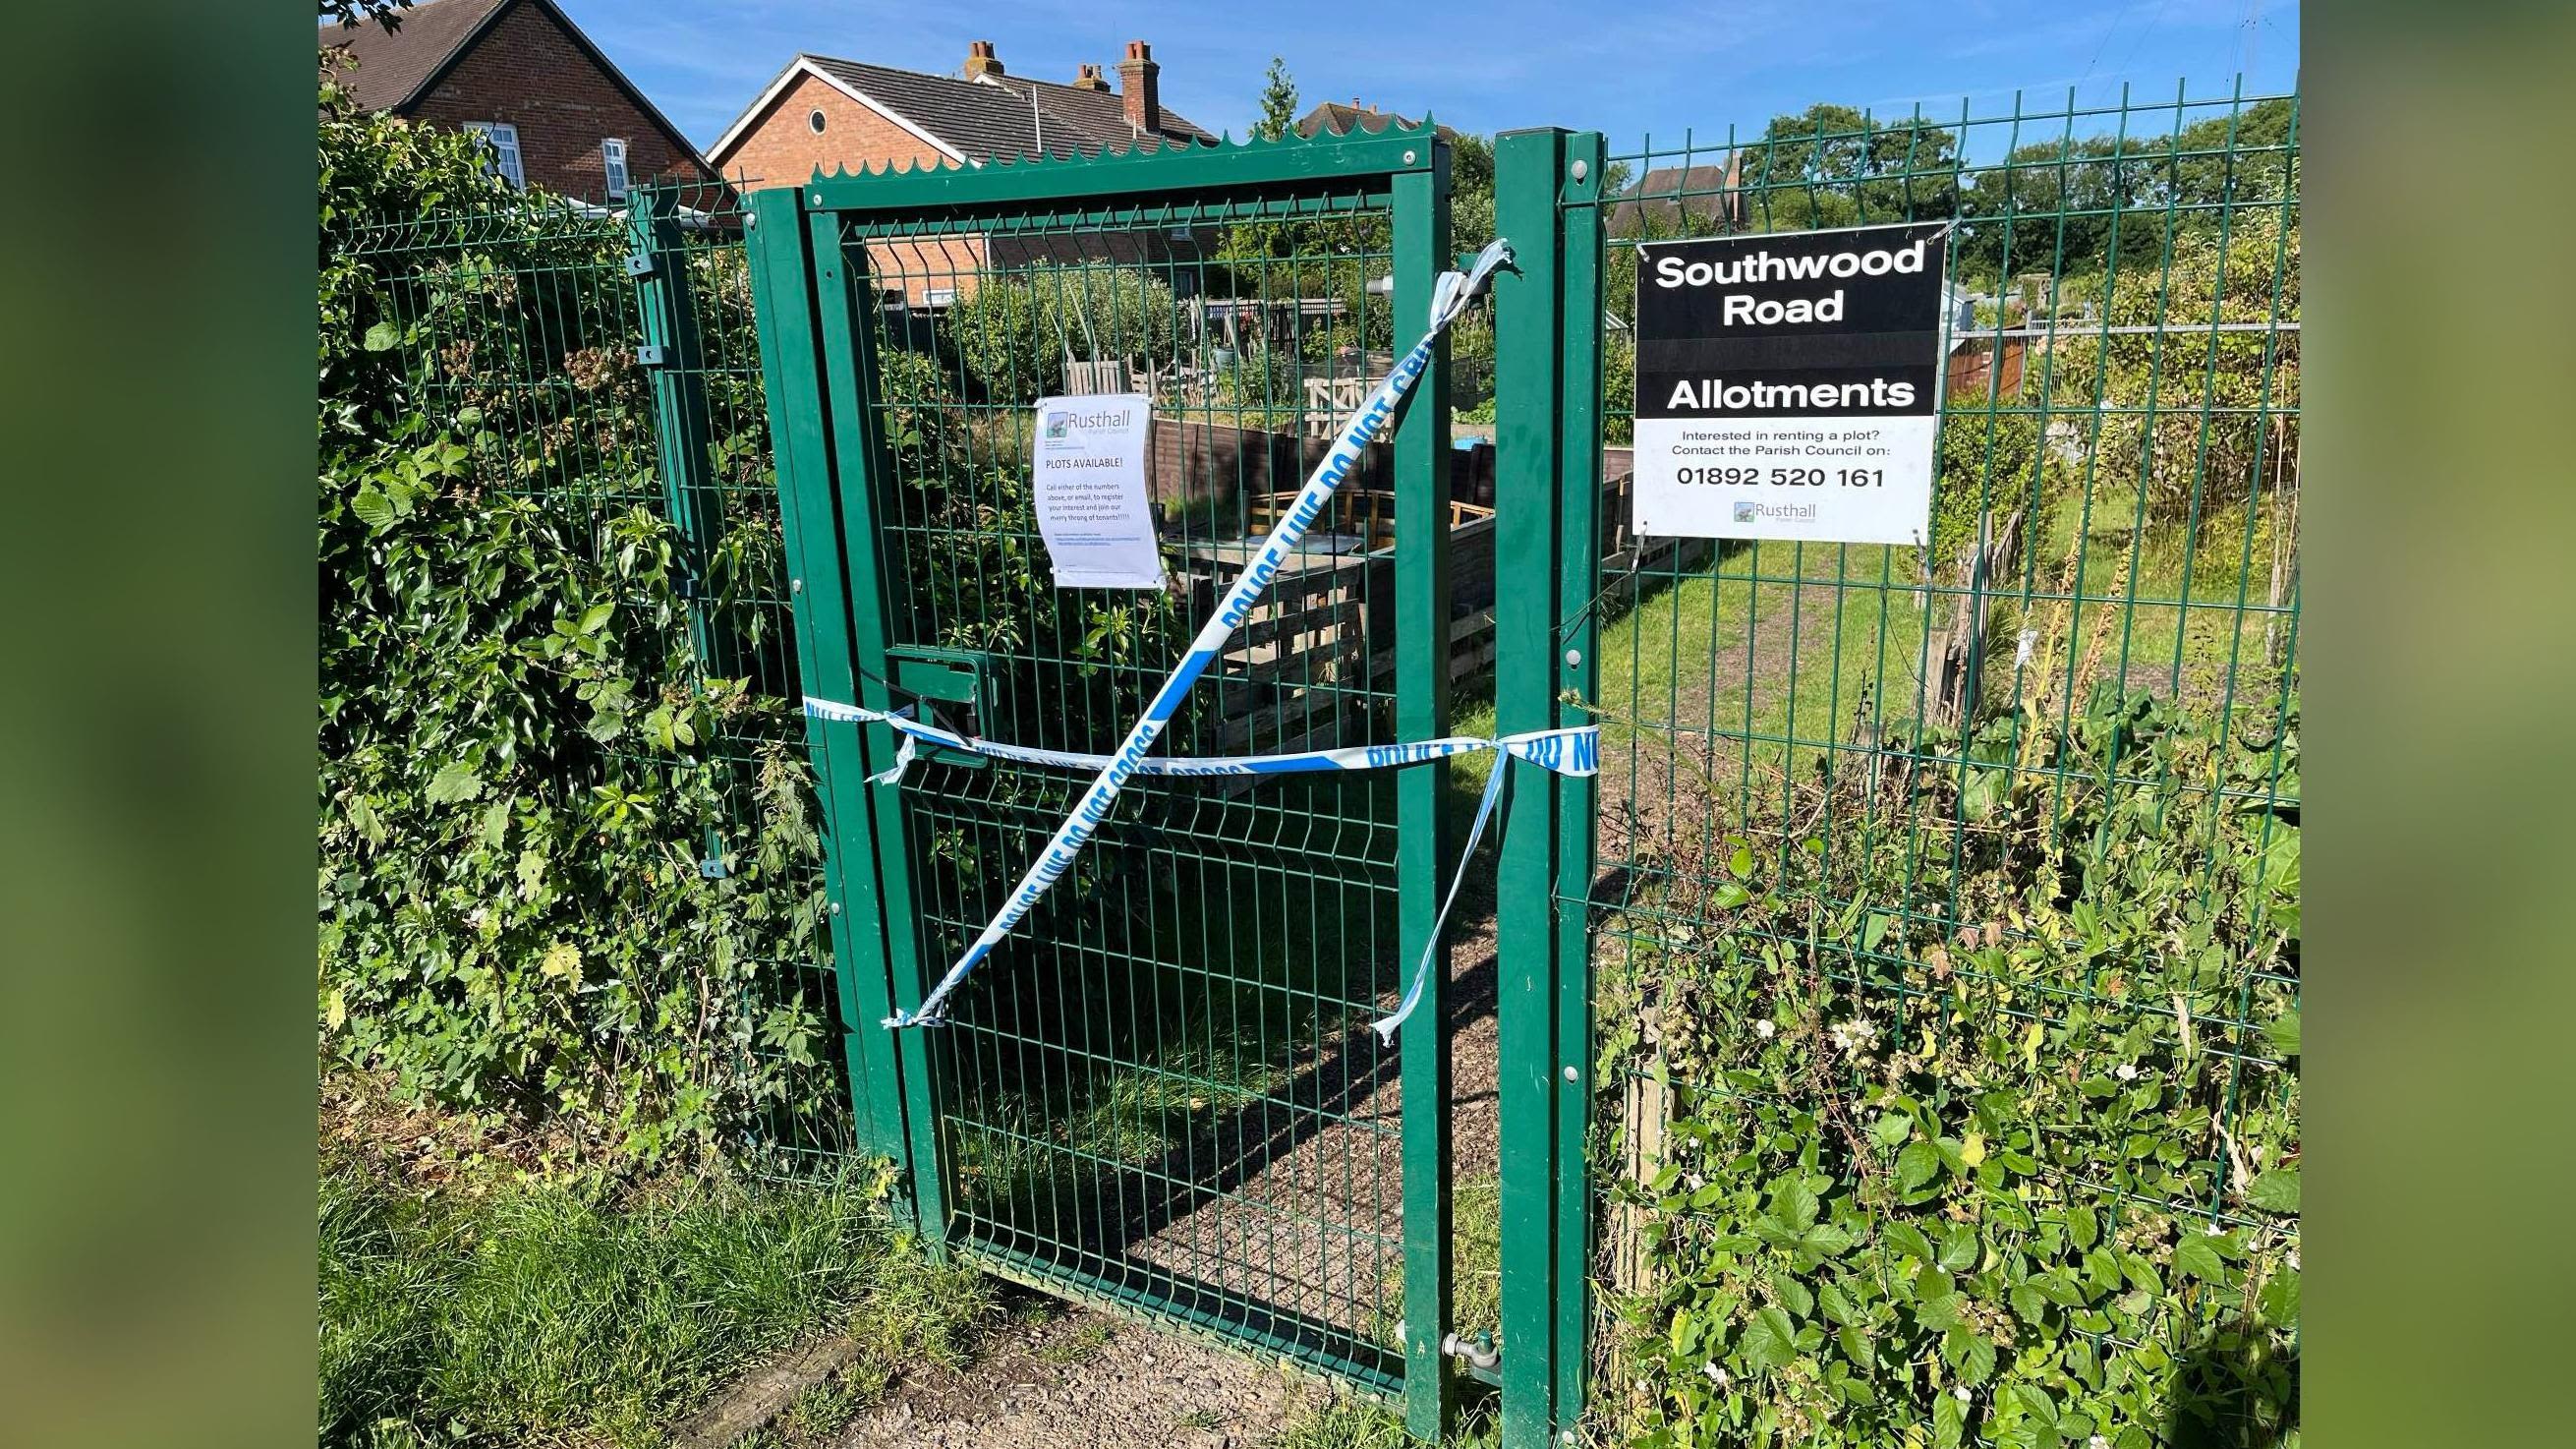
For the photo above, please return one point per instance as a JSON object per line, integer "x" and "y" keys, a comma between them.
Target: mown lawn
{"x": 532, "y": 1312}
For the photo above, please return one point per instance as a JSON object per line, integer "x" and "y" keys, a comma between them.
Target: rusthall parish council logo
{"x": 1747, "y": 511}
{"x": 1058, "y": 425}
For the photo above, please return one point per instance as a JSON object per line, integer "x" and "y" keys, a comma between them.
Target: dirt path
{"x": 1085, "y": 1380}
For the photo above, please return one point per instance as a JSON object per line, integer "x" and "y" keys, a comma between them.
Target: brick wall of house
{"x": 529, "y": 73}
{"x": 782, "y": 148}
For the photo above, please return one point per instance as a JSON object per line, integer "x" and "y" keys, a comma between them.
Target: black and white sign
{"x": 1788, "y": 385}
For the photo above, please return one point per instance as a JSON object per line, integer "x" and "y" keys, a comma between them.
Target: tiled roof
{"x": 1666, "y": 195}
{"x": 985, "y": 120}
{"x": 1100, "y": 117}
{"x": 392, "y": 64}
{"x": 1341, "y": 120}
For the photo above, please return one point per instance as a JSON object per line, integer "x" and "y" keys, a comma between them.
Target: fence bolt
{"x": 1408, "y": 158}
{"x": 750, "y": 219}
{"x": 1572, "y": 1075}
{"x": 836, "y": 908}
{"x": 1581, "y": 170}
{"x": 1573, "y": 656}
{"x": 795, "y": 586}
{"x": 1567, "y": 1437}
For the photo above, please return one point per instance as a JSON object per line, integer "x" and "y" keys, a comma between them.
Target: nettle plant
{"x": 2028, "y": 1181}
{"x": 522, "y": 759}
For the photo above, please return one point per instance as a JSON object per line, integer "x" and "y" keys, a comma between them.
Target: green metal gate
{"x": 1161, "y": 1092}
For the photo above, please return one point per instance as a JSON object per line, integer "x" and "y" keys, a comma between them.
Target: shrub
{"x": 2024, "y": 1181}
{"x": 1015, "y": 330}
{"x": 2225, "y": 404}
{"x": 518, "y": 776}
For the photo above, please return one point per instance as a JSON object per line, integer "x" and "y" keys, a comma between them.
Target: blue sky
{"x": 1621, "y": 68}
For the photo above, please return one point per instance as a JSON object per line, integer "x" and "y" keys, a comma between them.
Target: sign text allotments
{"x": 1788, "y": 385}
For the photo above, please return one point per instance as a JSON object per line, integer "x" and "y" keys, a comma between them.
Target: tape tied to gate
{"x": 1574, "y": 750}
{"x": 1449, "y": 298}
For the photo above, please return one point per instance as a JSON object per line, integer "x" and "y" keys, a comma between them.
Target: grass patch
{"x": 534, "y": 1312}
{"x": 1357, "y": 1423}
{"x": 1079, "y": 1346}
{"x": 1784, "y": 645}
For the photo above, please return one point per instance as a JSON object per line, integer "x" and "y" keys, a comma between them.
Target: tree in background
{"x": 1278, "y": 101}
{"x": 387, "y": 13}
{"x": 1830, "y": 166}
{"x": 2067, "y": 205}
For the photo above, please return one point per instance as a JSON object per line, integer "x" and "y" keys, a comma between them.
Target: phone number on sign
{"x": 1785, "y": 477}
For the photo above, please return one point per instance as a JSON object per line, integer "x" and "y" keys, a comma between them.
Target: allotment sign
{"x": 1788, "y": 385}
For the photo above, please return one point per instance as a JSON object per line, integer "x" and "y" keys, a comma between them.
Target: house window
{"x": 816, "y": 121}
{"x": 612, "y": 159}
{"x": 503, "y": 138}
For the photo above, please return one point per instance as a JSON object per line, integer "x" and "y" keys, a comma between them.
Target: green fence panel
{"x": 1945, "y": 917}
{"x": 604, "y": 369}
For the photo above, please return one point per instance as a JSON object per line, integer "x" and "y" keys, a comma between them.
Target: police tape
{"x": 1575, "y": 750}
{"x": 1449, "y": 298}
{"x": 1571, "y": 751}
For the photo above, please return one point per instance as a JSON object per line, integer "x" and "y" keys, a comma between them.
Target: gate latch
{"x": 961, "y": 681}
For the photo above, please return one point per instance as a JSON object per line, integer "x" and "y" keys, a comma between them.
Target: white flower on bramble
{"x": 1764, "y": 1029}
{"x": 2125, "y": 1072}
{"x": 1961, "y": 1393}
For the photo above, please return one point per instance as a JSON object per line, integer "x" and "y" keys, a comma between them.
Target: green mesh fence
{"x": 1957, "y": 887}
{"x": 604, "y": 365}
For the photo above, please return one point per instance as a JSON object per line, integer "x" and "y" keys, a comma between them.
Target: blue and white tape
{"x": 1571, "y": 751}
{"x": 1449, "y": 299}
{"x": 1575, "y": 750}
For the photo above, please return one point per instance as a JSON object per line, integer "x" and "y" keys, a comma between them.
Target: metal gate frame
{"x": 813, "y": 305}
{"x": 1547, "y": 471}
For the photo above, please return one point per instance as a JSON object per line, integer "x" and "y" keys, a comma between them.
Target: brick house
{"x": 827, "y": 114}
{"x": 558, "y": 114}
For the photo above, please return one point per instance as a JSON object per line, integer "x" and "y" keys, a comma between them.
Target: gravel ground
{"x": 1086, "y": 1380}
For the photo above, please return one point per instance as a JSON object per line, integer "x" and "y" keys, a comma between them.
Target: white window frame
{"x": 612, "y": 165}
{"x": 503, "y": 140}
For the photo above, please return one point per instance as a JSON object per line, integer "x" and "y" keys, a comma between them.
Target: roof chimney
{"x": 1089, "y": 78}
{"x": 1137, "y": 86}
{"x": 980, "y": 60}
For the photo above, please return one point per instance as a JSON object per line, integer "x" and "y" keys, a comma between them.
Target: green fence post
{"x": 846, "y": 334}
{"x": 782, "y": 291}
{"x": 1578, "y": 566}
{"x": 1529, "y": 328}
{"x": 674, "y": 360}
{"x": 1421, "y": 252}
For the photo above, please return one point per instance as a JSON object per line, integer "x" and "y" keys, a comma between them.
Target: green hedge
{"x": 520, "y": 766}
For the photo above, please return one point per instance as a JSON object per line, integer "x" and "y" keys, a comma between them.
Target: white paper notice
{"x": 1092, "y": 506}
